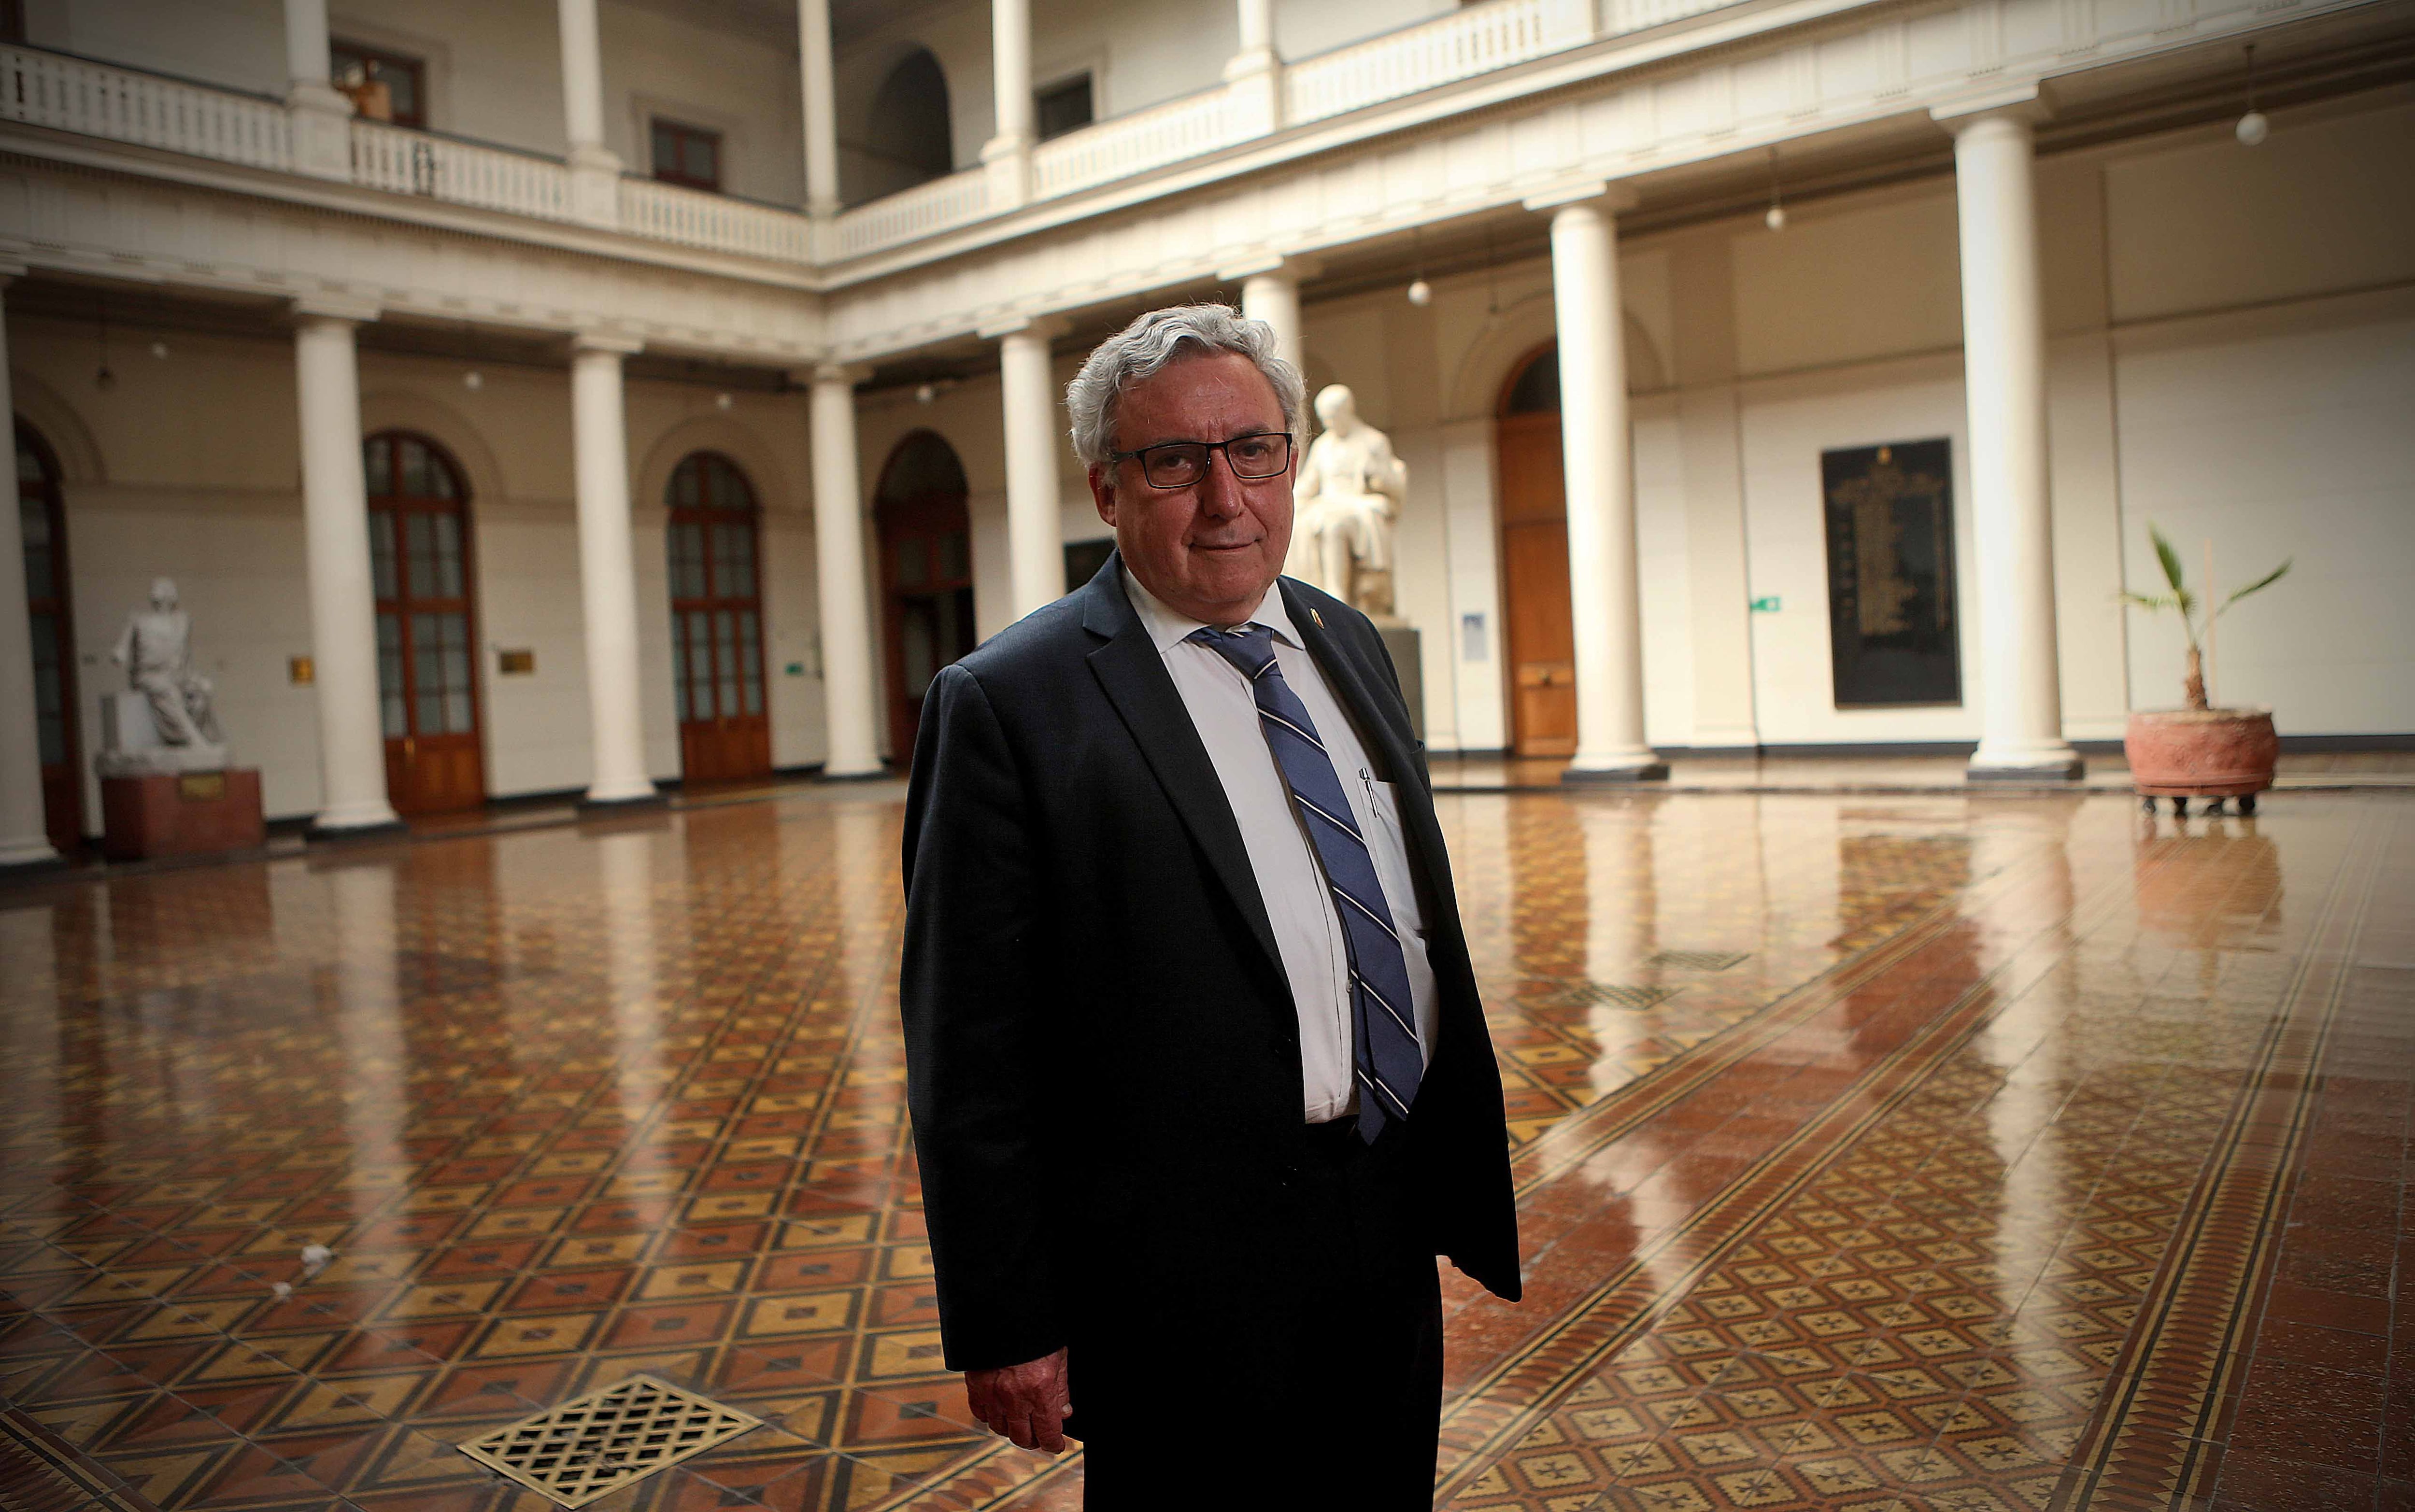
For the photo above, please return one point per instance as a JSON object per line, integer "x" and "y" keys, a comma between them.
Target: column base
{"x": 30, "y": 863}
{"x": 1648, "y": 772}
{"x": 878, "y": 773}
{"x": 2067, "y": 771}
{"x": 653, "y": 797}
{"x": 319, "y": 832}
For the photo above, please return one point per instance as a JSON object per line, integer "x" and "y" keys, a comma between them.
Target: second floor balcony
{"x": 734, "y": 191}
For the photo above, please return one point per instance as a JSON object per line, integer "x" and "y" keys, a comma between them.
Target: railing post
{"x": 1254, "y": 74}
{"x": 320, "y": 119}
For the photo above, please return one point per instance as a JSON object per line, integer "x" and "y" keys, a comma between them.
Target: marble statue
{"x": 164, "y": 723}
{"x": 1345, "y": 502}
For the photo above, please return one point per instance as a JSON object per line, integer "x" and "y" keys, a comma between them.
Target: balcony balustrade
{"x": 96, "y": 99}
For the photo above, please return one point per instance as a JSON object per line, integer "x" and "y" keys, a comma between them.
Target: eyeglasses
{"x": 1179, "y": 464}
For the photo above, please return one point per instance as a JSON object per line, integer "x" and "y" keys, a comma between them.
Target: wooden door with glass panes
{"x": 717, "y": 623}
{"x": 43, "y": 520}
{"x": 427, "y": 634}
{"x": 926, "y": 574}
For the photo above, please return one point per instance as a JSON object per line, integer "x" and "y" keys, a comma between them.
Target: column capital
{"x": 1613, "y": 198}
{"x": 2022, "y": 102}
{"x": 1046, "y": 327}
{"x": 851, "y": 374}
{"x": 335, "y": 304}
{"x": 1293, "y": 266}
{"x": 619, "y": 343}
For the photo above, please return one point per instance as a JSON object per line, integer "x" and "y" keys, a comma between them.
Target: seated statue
{"x": 171, "y": 726}
{"x": 1345, "y": 502}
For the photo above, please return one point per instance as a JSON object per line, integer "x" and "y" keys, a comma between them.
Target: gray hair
{"x": 1156, "y": 341}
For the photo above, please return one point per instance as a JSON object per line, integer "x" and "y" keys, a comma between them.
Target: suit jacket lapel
{"x": 1134, "y": 674}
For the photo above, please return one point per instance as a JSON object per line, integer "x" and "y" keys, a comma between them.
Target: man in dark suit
{"x": 1199, "y": 1077}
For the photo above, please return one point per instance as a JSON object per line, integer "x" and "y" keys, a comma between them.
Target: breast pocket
{"x": 1388, "y": 844}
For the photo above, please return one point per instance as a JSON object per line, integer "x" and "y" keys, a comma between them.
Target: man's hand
{"x": 1027, "y": 1402}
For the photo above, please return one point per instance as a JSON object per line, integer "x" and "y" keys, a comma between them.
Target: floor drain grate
{"x": 1699, "y": 960}
{"x": 593, "y": 1446}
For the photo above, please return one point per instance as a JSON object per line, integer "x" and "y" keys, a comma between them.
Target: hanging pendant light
{"x": 1420, "y": 291}
{"x": 1775, "y": 217}
{"x": 2253, "y": 126}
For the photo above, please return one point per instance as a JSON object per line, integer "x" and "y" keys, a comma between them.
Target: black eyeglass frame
{"x": 1290, "y": 448}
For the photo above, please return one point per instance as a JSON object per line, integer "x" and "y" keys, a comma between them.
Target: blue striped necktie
{"x": 1384, "y": 1045}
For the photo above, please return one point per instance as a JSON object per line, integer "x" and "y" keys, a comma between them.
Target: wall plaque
{"x": 1893, "y": 634}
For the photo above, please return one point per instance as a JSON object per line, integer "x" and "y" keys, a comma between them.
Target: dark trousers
{"x": 1335, "y": 1403}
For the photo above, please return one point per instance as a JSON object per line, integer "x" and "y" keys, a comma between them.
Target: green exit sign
{"x": 1766, "y": 606}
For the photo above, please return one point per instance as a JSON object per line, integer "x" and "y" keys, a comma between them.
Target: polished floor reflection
{"x": 1876, "y": 1151}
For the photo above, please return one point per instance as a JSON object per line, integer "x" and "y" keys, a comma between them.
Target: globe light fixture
{"x": 474, "y": 380}
{"x": 1775, "y": 219}
{"x": 2255, "y": 125}
{"x": 1420, "y": 294}
{"x": 723, "y": 401}
{"x": 925, "y": 392}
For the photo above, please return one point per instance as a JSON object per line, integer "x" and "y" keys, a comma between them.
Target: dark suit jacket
{"x": 1102, "y": 1057}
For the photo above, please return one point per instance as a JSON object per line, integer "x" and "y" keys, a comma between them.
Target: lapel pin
{"x": 1318, "y": 617}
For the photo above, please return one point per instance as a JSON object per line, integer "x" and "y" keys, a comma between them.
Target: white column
{"x": 595, "y": 170}
{"x": 1008, "y": 152}
{"x": 1594, "y": 452}
{"x": 1035, "y": 528}
{"x": 608, "y": 573}
{"x": 1270, "y": 292}
{"x": 2003, "y": 369}
{"x": 343, "y": 594}
{"x": 821, "y": 107}
{"x": 839, "y": 572}
{"x": 24, "y": 837}
{"x": 320, "y": 116}
{"x": 1254, "y": 72}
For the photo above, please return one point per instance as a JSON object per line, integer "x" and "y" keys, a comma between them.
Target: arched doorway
{"x": 907, "y": 139}
{"x": 1534, "y": 559}
{"x": 717, "y": 621}
{"x": 42, "y": 515}
{"x": 926, "y": 574}
{"x": 427, "y": 631}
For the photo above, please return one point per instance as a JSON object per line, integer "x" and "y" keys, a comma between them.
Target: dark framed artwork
{"x": 1894, "y": 630}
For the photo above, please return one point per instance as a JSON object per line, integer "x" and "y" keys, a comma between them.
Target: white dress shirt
{"x": 1308, "y": 933}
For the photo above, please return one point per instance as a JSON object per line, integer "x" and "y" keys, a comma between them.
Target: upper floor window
{"x": 687, "y": 155}
{"x": 384, "y": 86}
{"x": 1063, "y": 106}
{"x": 12, "y": 21}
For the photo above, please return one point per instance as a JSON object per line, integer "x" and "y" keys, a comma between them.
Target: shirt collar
{"x": 1168, "y": 628}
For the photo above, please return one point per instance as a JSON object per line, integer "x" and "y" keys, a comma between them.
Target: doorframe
{"x": 462, "y": 499}
{"x": 1501, "y": 415}
{"x": 28, "y": 438}
{"x": 892, "y": 619}
{"x": 762, "y": 622}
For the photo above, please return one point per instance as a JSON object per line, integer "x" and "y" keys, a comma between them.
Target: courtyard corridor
{"x": 1875, "y": 1151}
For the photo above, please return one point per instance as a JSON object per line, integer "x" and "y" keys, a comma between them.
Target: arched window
{"x": 927, "y": 570}
{"x": 717, "y": 621}
{"x": 41, "y": 514}
{"x": 427, "y": 665}
{"x": 906, "y": 140}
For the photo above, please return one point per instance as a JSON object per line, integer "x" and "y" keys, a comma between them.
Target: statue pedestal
{"x": 193, "y": 813}
{"x": 1401, "y": 641}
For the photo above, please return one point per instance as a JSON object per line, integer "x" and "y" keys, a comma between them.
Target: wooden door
{"x": 1535, "y": 586}
{"x": 427, "y": 633}
{"x": 926, "y": 574}
{"x": 42, "y": 516}
{"x": 717, "y": 623}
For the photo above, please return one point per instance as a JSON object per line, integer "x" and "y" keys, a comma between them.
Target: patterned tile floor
{"x": 1876, "y": 1152}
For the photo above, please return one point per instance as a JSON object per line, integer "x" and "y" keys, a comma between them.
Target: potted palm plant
{"x": 2197, "y": 751}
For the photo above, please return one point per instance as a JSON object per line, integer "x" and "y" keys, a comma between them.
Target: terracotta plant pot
{"x": 2200, "y": 753}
